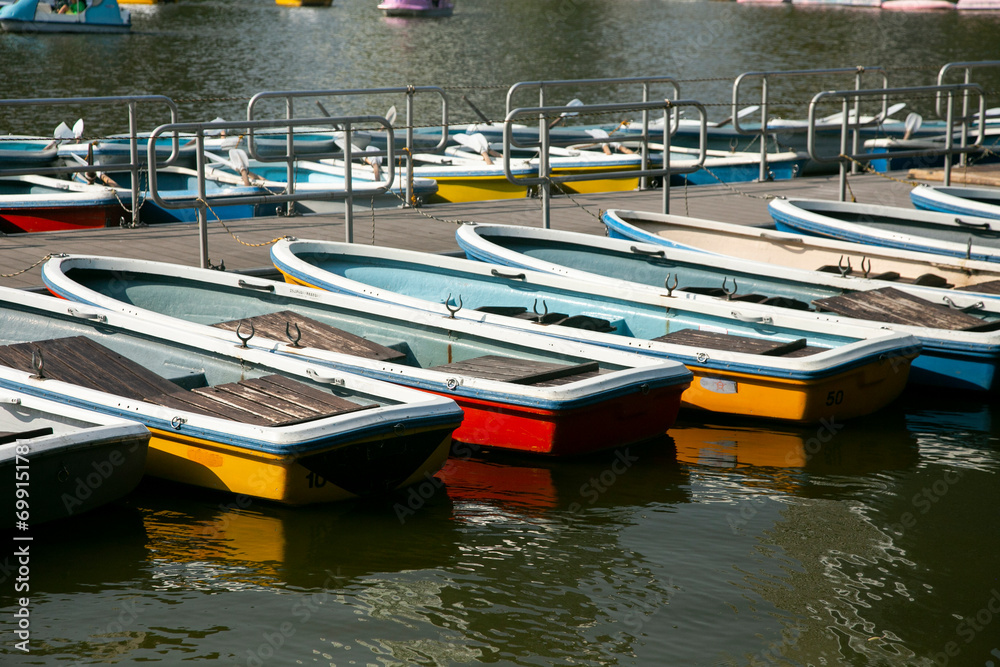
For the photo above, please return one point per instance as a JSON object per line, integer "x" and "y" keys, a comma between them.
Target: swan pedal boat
{"x": 519, "y": 390}
{"x": 100, "y": 16}
{"x": 967, "y": 237}
{"x": 65, "y": 460}
{"x": 788, "y": 368}
{"x": 959, "y": 349}
{"x": 221, "y": 416}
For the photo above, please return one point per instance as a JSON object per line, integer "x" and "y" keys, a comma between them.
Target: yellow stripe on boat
{"x": 475, "y": 188}
{"x": 283, "y": 479}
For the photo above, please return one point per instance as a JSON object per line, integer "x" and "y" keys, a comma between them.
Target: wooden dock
{"x": 243, "y": 245}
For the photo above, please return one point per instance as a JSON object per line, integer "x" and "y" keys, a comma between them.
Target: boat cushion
{"x": 715, "y": 340}
{"x": 888, "y": 304}
{"x": 521, "y": 371}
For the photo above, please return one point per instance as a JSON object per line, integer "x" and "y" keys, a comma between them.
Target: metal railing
{"x": 545, "y": 178}
{"x": 642, "y": 81}
{"x": 948, "y": 150}
{"x": 966, "y": 68}
{"x": 134, "y": 165}
{"x": 409, "y": 91}
{"x": 202, "y": 201}
{"x": 767, "y": 77}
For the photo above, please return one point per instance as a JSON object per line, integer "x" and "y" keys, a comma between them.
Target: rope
{"x": 732, "y": 189}
{"x": 17, "y": 273}
{"x": 871, "y": 170}
{"x": 234, "y": 235}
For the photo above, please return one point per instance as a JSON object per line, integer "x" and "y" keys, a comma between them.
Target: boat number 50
{"x": 835, "y": 397}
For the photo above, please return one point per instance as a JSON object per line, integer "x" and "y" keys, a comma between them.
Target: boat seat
{"x": 521, "y": 371}
{"x": 587, "y": 323}
{"x": 931, "y": 280}
{"x": 887, "y": 276}
{"x": 507, "y": 311}
{"x": 888, "y": 304}
{"x": 7, "y": 437}
{"x": 276, "y": 326}
{"x": 268, "y": 401}
{"x": 706, "y": 291}
{"x": 988, "y": 287}
{"x": 714, "y": 340}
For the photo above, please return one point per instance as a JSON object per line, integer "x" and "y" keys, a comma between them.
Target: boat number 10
{"x": 835, "y": 397}
{"x": 315, "y": 481}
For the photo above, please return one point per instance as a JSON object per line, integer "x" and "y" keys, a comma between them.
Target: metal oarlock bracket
{"x": 293, "y": 339}
{"x": 244, "y": 340}
{"x": 452, "y": 311}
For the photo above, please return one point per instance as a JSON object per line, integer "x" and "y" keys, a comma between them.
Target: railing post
{"x": 763, "y": 129}
{"x": 202, "y": 201}
{"x": 133, "y": 154}
{"x": 409, "y": 147}
{"x": 349, "y": 200}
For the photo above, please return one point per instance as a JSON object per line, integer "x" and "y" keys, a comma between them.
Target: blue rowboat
{"x": 960, "y": 349}
{"x": 180, "y": 183}
{"x": 18, "y": 151}
{"x": 519, "y": 390}
{"x": 100, "y": 16}
{"x": 324, "y": 180}
{"x": 981, "y": 202}
{"x": 815, "y": 260}
{"x": 224, "y": 417}
{"x": 967, "y": 237}
{"x": 68, "y": 460}
{"x": 785, "y": 367}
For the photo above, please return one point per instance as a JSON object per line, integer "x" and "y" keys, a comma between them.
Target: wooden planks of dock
{"x": 243, "y": 245}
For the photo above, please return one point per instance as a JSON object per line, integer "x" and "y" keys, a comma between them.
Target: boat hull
{"x": 321, "y": 476}
{"x": 58, "y": 218}
{"x": 611, "y": 423}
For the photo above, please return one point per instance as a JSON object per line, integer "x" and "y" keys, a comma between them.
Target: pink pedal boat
{"x": 431, "y": 8}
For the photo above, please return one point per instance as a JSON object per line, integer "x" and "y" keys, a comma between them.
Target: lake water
{"x": 870, "y": 542}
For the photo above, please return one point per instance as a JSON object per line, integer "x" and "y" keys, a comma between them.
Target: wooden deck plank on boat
{"x": 304, "y": 392}
{"x": 81, "y": 361}
{"x": 888, "y": 304}
{"x": 715, "y": 340}
{"x": 272, "y": 400}
{"x": 988, "y": 287}
{"x": 520, "y": 371}
{"x": 980, "y": 174}
{"x": 313, "y": 334}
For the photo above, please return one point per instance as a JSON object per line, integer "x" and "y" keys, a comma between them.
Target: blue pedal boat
{"x": 100, "y": 16}
{"x": 960, "y": 350}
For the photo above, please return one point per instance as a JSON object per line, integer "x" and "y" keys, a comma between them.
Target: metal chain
{"x": 871, "y": 170}
{"x": 234, "y": 235}
{"x": 766, "y": 197}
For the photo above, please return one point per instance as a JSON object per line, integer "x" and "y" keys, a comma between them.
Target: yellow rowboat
{"x": 791, "y": 367}
{"x": 222, "y": 416}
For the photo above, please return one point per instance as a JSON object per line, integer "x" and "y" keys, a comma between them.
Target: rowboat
{"x": 19, "y": 151}
{"x": 979, "y": 202}
{"x": 42, "y": 204}
{"x": 320, "y": 179}
{"x": 224, "y": 417}
{"x": 100, "y": 16}
{"x": 966, "y": 237}
{"x": 840, "y": 264}
{"x": 178, "y": 184}
{"x": 960, "y": 349}
{"x": 417, "y": 8}
{"x": 117, "y": 150}
{"x": 519, "y": 390}
{"x": 58, "y": 461}
{"x": 789, "y": 368}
